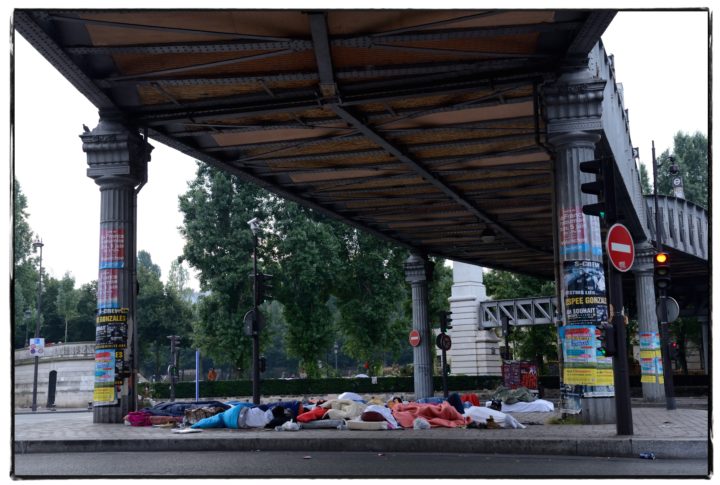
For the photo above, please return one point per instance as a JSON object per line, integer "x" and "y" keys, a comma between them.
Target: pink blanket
{"x": 438, "y": 415}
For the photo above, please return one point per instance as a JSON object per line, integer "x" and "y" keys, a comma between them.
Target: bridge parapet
{"x": 616, "y": 128}
{"x": 683, "y": 225}
{"x": 75, "y": 350}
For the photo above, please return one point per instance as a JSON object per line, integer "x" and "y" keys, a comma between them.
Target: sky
{"x": 660, "y": 59}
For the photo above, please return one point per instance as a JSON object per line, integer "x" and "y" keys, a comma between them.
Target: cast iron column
{"x": 415, "y": 274}
{"x": 573, "y": 107}
{"x": 117, "y": 159}
{"x": 649, "y": 335}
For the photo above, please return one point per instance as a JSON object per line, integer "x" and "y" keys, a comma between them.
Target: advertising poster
{"x": 107, "y": 290}
{"x": 584, "y": 292}
{"x": 104, "y": 391}
{"x": 111, "y": 331}
{"x": 574, "y": 233}
{"x": 650, "y": 358}
{"x": 582, "y": 364}
{"x": 112, "y": 248}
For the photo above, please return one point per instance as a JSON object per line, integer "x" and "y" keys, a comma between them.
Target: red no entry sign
{"x": 414, "y": 338}
{"x": 620, "y": 247}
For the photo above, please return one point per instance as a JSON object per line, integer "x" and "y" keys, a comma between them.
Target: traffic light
{"x": 597, "y": 188}
{"x": 605, "y": 335}
{"x": 445, "y": 321}
{"x": 673, "y": 350}
{"x": 264, "y": 287}
{"x": 662, "y": 271}
{"x": 263, "y": 364}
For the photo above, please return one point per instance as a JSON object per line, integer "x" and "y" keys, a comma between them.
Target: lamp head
{"x": 487, "y": 235}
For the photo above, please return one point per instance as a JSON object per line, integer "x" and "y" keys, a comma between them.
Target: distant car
{"x": 362, "y": 375}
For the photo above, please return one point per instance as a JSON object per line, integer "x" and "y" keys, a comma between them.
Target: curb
{"x": 621, "y": 447}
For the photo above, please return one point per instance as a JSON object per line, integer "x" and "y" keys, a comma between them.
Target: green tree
{"x": 645, "y": 184}
{"x": 160, "y": 313}
{"x": 691, "y": 155}
{"x": 178, "y": 279}
{"x": 25, "y": 272}
{"x": 535, "y": 342}
{"x": 371, "y": 293}
{"x": 219, "y": 245}
{"x": 307, "y": 257}
{"x": 81, "y": 326}
{"x": 67, "y": 301}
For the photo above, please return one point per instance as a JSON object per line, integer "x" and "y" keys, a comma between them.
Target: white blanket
{"x": 480, "y": 414}
{"x": 537, "y": 406}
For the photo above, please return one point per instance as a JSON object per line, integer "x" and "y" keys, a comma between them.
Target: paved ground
{"x": 681, "y": 433}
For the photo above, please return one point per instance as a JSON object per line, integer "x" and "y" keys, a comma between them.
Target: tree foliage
{"x": 306, "y": 263}
{"x": 691, "y": 155}
{"x": 371, "y": 293}
{"x": 219, "y": 244}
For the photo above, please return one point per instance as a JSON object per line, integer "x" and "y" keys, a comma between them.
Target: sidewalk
{"x": 681, "y": 433}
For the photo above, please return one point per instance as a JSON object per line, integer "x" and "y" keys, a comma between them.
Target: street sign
{"x": 37, "y": 346}
{"x": 672, "y": 308}
{"x": 620, "y": 248}
{"x": 414, "y": 338}
{"x": 443, "y": 341}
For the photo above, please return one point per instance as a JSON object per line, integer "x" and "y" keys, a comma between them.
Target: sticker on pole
{"x": 620, "y": 248}
{"x": 414, "y": 338}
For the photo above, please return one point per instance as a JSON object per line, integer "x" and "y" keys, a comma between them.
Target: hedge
{"x": 318, "y": 387}
{"x": 690, "y": 385}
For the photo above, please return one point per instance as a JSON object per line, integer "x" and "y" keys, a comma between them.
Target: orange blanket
{"x": 438, "y": 415}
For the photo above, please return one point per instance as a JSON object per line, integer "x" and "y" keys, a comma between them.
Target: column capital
{"x": 574, "y": 102}
{"x": 644, "y": 258}
{"x": 115, "y": 153}
{"x": 416, "y": 269}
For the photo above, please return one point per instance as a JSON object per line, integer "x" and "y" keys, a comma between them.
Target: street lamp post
{"x": 254, "y": 227}
{"x": 38, "y": 244}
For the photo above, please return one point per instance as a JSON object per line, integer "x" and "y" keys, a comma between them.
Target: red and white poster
{"x": 107, "y": 290}
{"x": 112, "y": 248}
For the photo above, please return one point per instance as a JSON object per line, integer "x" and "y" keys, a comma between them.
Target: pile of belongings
{"x": 347, "y": 411}
{"x": 173, "y": 413}
{"x": 519, "y": 400}
{"x": 242, "y": 415}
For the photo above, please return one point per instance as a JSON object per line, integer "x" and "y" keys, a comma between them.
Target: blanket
{"x": 438, "y": 415}
{"x": 343, "y": 409}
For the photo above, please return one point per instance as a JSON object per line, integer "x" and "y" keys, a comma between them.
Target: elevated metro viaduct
{"x": 453, "y": 133}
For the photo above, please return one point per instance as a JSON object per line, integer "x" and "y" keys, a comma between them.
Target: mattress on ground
{"x": 367, "y": 425}
{"x": 323, "y": 424}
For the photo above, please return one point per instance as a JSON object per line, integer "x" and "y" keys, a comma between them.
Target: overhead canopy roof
{"x": 422, "y": 126}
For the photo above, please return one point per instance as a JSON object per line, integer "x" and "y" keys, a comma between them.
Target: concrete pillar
{"x": 416, "y": 275}
{"x": 573, "y": 109}
{"x": 117, "y": 160}
{"x": 474, "y": 352}
{"x": 648, "y": 330}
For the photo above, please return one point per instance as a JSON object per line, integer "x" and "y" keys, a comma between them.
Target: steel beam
{"x": 435, "y": 181}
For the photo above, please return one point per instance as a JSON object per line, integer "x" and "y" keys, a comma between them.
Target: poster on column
{"x": 111, "y": 330}
{"x": 112, "y": 248}
{"x": 575, "y": 239}
{"x": 583, "y": 365}
{"x": 650, "y": 358}
{"x": 107, "y": 289}
{"x": 104, "y": 389}
{"x": 584, "y": 292}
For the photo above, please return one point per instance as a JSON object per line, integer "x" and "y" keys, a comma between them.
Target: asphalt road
{"x": 342, "y": 464}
